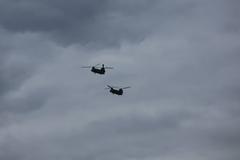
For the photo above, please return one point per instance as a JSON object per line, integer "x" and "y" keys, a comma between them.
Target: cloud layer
{"x": 180, "y": 58}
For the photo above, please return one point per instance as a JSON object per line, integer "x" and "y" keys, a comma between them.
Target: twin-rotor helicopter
{"x": 116, "y": 90}
{"x": 102, "y": 70}
{"x": 98, "y": 70}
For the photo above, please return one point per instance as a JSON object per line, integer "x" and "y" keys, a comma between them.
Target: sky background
{"x": 181, "y": 59}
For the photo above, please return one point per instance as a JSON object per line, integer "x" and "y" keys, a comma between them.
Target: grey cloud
{"x": 88, "y": 22}
{"x": 180, "y": 58}
{"x": 21, "y": 57}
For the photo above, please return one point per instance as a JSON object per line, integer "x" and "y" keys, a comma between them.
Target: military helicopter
{"x": 116, "y": 90}
{"x": 98, "y": 70}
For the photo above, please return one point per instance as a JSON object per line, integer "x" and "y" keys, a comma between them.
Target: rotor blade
{"x": 108, "y": 67}
{"x": 86, "y": 67}
{"x": 109, "y": 86}
{"x": 113, "y": 86}
{"x": 96, "y": 65}
{"x": 126, "y": 87}
{"x": 116, "y": 87}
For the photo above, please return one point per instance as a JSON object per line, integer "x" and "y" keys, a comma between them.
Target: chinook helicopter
{"x": 98, "y": 70}
{"x": 116, "y": 90}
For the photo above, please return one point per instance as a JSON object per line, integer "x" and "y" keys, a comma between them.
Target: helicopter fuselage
{"x": 116, "y": 91}
{"x": 98, "y": 71}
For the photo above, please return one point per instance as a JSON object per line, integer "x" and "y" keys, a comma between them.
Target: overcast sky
{"x": 180, "y": 57}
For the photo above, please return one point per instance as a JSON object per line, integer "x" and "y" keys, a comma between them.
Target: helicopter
{"x": 116, "y": 90}
{"x": 98, "y": 70}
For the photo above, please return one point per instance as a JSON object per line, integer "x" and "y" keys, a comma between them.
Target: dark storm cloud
{"x": 181, "y": 59}
{"x": 71, "y": 21}
{"x": 102, "y": 22}
{"x": 46, "y": 15}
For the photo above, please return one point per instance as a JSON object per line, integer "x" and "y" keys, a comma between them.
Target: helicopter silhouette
{"x": 116, "y": 90}
{"x": 98, "y": 70}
